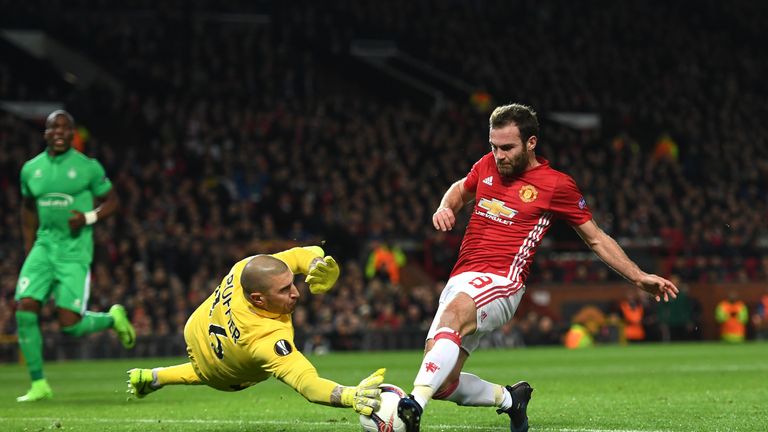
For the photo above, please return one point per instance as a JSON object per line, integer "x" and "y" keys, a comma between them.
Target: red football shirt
{"x": 510, "y": 217}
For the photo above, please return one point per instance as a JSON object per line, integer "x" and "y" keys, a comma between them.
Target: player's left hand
{"x": 366, "y": 397}
{"x": 322, "y": 275}
{"x": 76, "y": 221}
{"x": 658, "y": 287}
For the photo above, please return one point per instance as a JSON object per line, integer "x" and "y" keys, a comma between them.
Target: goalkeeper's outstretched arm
{"x": 302, "y": 376}
{"x": 301, "y": 259}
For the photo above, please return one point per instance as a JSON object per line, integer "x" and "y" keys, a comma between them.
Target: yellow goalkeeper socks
{"x": 174, "y": 375}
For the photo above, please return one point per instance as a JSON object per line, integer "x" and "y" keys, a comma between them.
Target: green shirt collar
{"x": 60, "y": 158}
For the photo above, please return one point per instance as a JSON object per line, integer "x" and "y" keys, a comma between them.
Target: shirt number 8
{"x": 480, "y": 281}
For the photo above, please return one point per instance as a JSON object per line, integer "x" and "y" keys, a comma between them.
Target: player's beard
{"x": 290, "y": 307}
{"x": 514, "y": 167}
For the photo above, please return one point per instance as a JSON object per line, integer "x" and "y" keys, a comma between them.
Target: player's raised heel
{"x": 410, "y": 412}
{"x": 518, "y": 417}
{"x": 123, "y": 326}
{"x": 40, "y": 390}
{"x": 140, "y": 382}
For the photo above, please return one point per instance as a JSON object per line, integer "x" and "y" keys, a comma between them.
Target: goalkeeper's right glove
{"x": 366, "y": 397}
{"x": 322, "y": 275}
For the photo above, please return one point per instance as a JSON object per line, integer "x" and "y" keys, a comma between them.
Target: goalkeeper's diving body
{"x": 243, "y": 334}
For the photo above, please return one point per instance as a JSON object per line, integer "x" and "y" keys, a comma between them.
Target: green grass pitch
{"x": 687, "y": 387}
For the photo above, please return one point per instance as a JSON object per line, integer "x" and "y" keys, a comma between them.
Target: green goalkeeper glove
{"x": 366, "y": 397}
{"x": 322, "y": 275}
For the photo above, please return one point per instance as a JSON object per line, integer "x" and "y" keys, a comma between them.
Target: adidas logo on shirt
{"x": 488, "y": 180}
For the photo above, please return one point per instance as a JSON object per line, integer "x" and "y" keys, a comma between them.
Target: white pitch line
{"x": 556, "y": 429}
{"x": 288, "y": 423}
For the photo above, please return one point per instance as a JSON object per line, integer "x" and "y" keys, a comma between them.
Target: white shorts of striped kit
{"x": 496, "y": 299}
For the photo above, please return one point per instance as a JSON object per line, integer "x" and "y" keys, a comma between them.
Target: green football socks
{"x": 31, "y": 343}
{"x": 91, "y": 322}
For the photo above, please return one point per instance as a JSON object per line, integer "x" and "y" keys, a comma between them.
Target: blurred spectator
{"x": 440, "y": 252}
{"x": 385, "y": 261}
{"x": 632, "y": 313}
{"x": 348, "y": 331}
{"x": 547, "y": 332}
{"x": 317, "y": 344}
{"x": 506, "y": 336}
{"x": 387, "y": 319}
{"x": 587, "y": 322}
{"x": 732, "y": 315}
{"x": 760, "y": 318}
{"x": 538, "y": 329}
{"x": 679, "y": 318}
{"x": 578, "y": 337}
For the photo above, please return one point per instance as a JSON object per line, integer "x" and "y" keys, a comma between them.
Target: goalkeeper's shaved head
{"x": 258, "y": 275}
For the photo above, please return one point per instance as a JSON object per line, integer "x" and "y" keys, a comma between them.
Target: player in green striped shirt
{"x": 58, "y": 189}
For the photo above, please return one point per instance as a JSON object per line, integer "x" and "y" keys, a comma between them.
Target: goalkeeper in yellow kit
{"x": 242, "y": 334}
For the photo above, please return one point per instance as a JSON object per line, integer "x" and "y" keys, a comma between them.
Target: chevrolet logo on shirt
{"x": 496, "y": 208}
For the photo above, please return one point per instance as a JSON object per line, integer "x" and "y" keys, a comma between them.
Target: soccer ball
{"x": 385, "y": 418}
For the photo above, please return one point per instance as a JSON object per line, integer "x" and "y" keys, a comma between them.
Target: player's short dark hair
{"x": 523, "y": 116}
{"x": 52, "y": 117}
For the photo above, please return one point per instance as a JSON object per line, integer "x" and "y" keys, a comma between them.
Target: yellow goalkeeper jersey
{"x": 233, "y": 344}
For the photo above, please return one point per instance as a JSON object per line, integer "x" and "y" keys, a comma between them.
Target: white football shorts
{"x": 496, "y": 298}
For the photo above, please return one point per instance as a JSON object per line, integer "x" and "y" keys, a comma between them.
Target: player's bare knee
{"x": 29, "y": 305}
{"x": 67, "y": 318}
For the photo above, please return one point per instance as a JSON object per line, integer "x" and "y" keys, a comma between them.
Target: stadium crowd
{"x": 230, "y": 139}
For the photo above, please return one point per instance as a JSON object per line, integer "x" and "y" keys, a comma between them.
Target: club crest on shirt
{"x": 528, "y": 193}
{"x": 283, "y": 347}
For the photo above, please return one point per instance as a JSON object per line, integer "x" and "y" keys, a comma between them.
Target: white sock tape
{"x": 91, "y": 217}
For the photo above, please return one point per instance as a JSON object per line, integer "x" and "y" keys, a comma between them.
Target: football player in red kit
{"x": 516, "y": 197}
